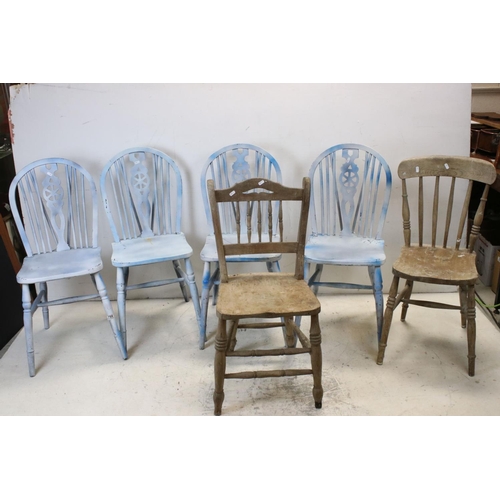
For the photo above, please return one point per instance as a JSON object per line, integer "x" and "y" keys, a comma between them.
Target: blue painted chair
{"x": 141, "y": 189}
{"x": 59, "y": 205}
{"x": 228, "y": 166}
{"x": 351, "y": 187}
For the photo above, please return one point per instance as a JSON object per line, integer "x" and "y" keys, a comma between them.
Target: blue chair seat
{"x": 209, "y": 251}
{"x": 345, "y": 251}
{"x": 58, "y": 265}
{"x": 150, "y": 250}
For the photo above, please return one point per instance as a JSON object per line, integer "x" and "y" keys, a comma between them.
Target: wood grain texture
{"x": 264, "y": 295}
{"x": 428, "y": 262}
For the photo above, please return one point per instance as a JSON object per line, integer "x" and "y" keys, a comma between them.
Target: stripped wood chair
{"x": 427, "y": 260}
{"x": 59, "y": 203}
{"x": 227, "y": 166}
{"x": 350, "y": 192}
{"x": 141, "y": 189}
{"x": 263, "y": 295}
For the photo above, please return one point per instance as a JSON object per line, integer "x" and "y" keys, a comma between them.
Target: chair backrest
{"x": 260, "y": 196}
{"x": 141, "y": 189}
{"x": 59, "y": 205}
{"x": 350, "y": 191}
{"x": 438, "y": 175}
{"x": 232, "y": 164}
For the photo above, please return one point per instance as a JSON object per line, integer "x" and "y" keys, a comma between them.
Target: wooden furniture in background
{"x": 485, "y": 138}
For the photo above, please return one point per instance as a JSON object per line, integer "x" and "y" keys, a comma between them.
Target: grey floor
{"x": 80, "y": 371}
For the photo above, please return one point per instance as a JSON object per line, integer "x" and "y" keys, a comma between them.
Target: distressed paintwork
{"x": 141, "y": 190}
{"x": 351, "y": 187}
{"x": 59, "y": 233}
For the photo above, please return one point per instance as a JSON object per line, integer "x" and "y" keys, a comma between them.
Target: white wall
{"x": 89, "y": 123}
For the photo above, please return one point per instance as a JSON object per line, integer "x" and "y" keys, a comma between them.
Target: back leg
{"x": 407, "y": 294}
{"x": 180, "y": 274}
{"x": 45, "y": 309}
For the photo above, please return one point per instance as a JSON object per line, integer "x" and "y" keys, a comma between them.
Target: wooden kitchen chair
{"x": 438, "y": 256}
{"x": 350, "y": 191}
{"x": 263, "y": 295}
{"x": 227, "y": 166}
{"x": 141, "y": 190}
{"x": 58, "y": 227}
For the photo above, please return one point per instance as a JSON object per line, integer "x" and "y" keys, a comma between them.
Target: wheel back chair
{"x": 263, "y": 295}
{"x": 59, "y": 204}
{"x": 141, "y": 190}
{"x": 428, "y": 260}
{"x": 350, "y": 191}
{"x": 227, "y": 166}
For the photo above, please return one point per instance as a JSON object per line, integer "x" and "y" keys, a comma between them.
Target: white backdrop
{"x": 89, "y": 123}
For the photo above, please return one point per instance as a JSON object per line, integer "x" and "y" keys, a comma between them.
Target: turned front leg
{"x": 28, "y": 329}
{"x": 316, "y": 360}
{"x": 471, "y": 328}
{"x": 220, "y": 366}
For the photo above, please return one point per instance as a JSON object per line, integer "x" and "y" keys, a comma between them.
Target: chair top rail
{"x": 449, "y": 166}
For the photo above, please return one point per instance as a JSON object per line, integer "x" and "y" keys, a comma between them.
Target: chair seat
{"x": 140, "y": 251}
{"x": 436, "y": 265}
{"x": 265, "y": 295}
{"x": 58, "y": 265}
{"x": 209, "y": 250}
{"x": 345, "y": 250}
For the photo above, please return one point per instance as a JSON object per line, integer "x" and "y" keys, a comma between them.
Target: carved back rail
{"x": 142, "y": 194}
{"x": 351, "y": 187}
{"x": 432, "y": 174}
{"x": 59, "y": 206}
{"x": 233, "y": 164}
{"x": 261, "y": 196}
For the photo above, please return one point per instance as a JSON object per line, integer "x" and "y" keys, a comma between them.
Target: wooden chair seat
{"x": 261, "y": 295}
{"x": 446, "y": 266}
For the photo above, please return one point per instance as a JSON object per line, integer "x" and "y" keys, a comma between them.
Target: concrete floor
{"x": 80, "y": 371}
